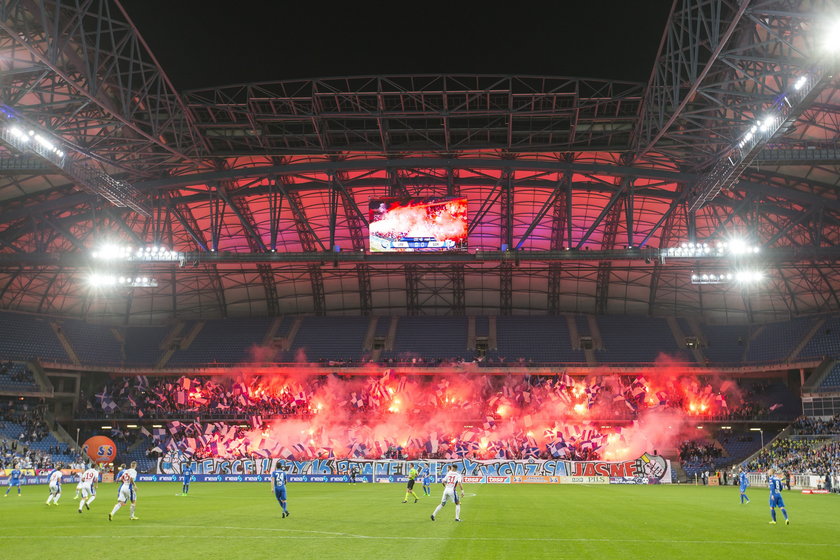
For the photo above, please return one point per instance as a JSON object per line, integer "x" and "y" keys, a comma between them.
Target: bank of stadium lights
{"x": 733, "y": 248}
{"x": 113, "y": 281}
{"x": 48, "y": 147}
{"x": 743, "y": 277}
{"x": 785, "y": 108}
{"x": 123, "y": 253}
{"x": 26, "y": 137}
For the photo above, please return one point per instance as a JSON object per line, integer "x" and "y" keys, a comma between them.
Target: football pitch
{"x": 361, "y": 521}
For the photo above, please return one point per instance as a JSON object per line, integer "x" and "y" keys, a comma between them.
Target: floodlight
{"x": 831, "y": 39}
{"x": 19, "y": 134}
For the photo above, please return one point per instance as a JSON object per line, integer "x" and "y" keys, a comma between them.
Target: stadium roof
{"x": 582, "y": 180}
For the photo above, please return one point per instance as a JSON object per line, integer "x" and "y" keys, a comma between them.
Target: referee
{"x": 409, "y": 489}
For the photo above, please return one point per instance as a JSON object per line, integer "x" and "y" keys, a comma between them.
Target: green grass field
{"x": 362, "y": 521}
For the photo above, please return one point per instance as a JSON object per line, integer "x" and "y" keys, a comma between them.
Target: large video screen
{"x": 418, "y": 224}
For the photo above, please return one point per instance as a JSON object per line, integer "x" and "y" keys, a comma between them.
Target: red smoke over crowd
{"x": 444, "y": 415}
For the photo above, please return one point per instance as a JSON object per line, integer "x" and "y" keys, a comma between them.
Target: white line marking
{"x": 336, "y": 535}
{"x": 371, "y": 537}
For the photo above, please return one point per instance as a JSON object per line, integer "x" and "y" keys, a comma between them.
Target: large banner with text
{"x": 647, "y": 469}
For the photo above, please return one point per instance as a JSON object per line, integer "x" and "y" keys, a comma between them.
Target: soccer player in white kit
{"x": 78, "y": 486}
{"x": 451, "y": 482}
{"x": 55, "y": 485}
{"x": 127, "y": 491}
{"x": 90, "y": 478}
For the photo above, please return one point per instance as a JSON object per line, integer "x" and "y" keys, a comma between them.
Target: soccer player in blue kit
{"x": 743, "y": 482}
{"x": 278, "y": 482}
{"x": 776, "y": 500}
{"x": 187, "y": 472}
{"x": 427, "y": 482}
{"x": 14, "y": 480}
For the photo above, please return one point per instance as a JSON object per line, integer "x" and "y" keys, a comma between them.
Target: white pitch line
{"x": 329, "y": 535}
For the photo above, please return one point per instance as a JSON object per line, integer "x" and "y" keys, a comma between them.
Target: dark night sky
{"x": 213, "y": 43}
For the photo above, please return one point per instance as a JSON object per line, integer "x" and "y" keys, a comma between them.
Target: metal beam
{"x": 334, "y": 166}
{"x": 506, "y": 288}
{"x": 696, "y": 34}
{"x": 412, "y": 289}
{"x": 459, "y": 291}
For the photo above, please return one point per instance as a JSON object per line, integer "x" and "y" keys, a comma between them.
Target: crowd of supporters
{"x": 172, "y": 398}
{"x": 699, "y": 453}
{"x": 18, "y": 374}
{"x": 814, "y": 426}
{"x": 220, "y": 398}
{"x": 24, "y": 424}
{"x": 800, "y": 456}
{"x": 30, "y": 418}
{"x": 13, "y": 453}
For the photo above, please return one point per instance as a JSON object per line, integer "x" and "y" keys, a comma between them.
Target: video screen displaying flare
{"x": 418, "y": 224}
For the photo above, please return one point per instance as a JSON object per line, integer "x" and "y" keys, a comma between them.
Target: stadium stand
{"x": 93, "y": 344}
{"x": 802, "y": 456}
{"x": 16, "y": 377}
{"x": 814, "y": 426}
{"x": 725, "y": 448}
{"x": 832, "y": 380}
{"x": 538, "y": 338}
{"x": 825, "y": 343}
{"x": 430, "y": 338}
{"x": 628, "y": 339}
{"x": 143, "y": 344}
{"x": 775, "y": 341}
{"x": 519, "y": 339}
{"x": 23, "y": 337}
{"x": 226, "y": 341}
{"x": 330, "y": 338}
{"x": 482, "y": 325}
{"x": 29, "y": 438}
{"x": 725, "y": 344}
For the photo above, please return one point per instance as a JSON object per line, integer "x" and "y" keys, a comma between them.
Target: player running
{"x": 409, "y": 488}
{"x": 451, "y": 482}
{"x": 278, "y": 482}
{"x": 90, "y": 478}
{"x": 427, "y": 482}
{"x": 187, "y": 472}
{"x": 78, "y": 486}
{"x": 14, "y": 480}
{"x": 743, "y": 483}
{"x": 776, "y": 500}
{"x": 55, "y": 486}
{"x": 127, "y": 492}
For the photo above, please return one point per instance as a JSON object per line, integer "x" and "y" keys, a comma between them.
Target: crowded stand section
{"x": 390, "y": 415}
{"x": 26, "y": 439}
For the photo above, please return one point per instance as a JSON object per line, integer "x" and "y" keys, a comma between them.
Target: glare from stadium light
{"x": 831, "y": 39}
{"x": 19, "y": 134}
{"x": 101, "y": 280}
{"x": 131, "y": 425}
{"x": 45, "y": 142}
{"x": 692, "y": 251}
{"x": 800, "y": 83}
{"x": 738, "y": 247}
{"x": 749, "y": 276}
{"x": 98, "y": 280}
{"x": 766, "y": 123}
{"x": 112, "y": 252}
{"x": 712, "y": 278}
